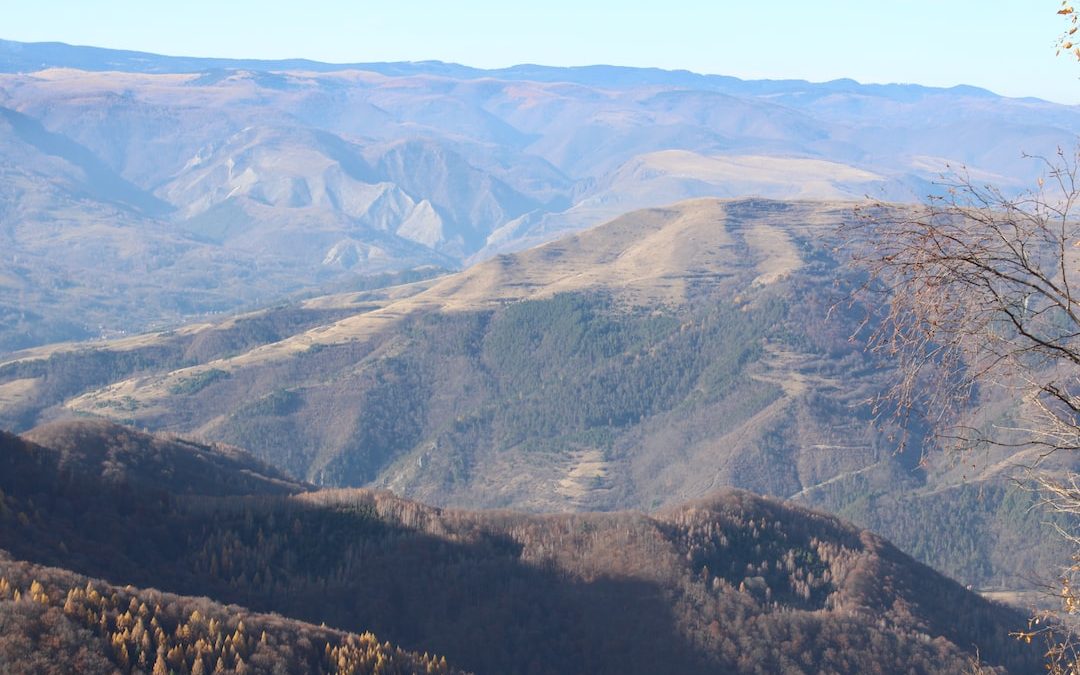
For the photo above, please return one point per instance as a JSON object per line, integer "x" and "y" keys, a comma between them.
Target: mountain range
{"x": 141, "y": 191}
{"x": 639, "y": 364}
{"x": 522, "y": 370}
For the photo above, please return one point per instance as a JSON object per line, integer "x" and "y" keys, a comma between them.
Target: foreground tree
{"x": 979, "y": 302}
{"x": 1065, "y": 42}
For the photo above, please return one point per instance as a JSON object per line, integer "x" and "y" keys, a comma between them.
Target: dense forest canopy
{"x": 735, "y": 583}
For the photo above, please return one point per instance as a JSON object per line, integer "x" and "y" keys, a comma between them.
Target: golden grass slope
{"x": 806, "y": 177}
{"x": 645, "y": 258}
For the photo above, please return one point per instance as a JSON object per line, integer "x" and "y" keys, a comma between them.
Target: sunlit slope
{"x": 33, "y": 381}
{"x": 650, "y": 360}
{"x": 444, "y": 393}
{"x": 651, "y": 258}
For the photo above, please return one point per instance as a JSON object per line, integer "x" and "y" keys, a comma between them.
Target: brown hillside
{"x": 735, "y": 583}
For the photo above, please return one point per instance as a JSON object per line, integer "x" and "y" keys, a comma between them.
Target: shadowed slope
{"x": 735, "y": 583}
{"x": 158, "y": 462}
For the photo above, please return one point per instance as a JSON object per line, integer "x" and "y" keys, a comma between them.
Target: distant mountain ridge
{"x": 16, "y": 57}
{"x": 186, "y": 186}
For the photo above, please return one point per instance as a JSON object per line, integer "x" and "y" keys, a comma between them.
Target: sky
{"x": 1003, "y": 45}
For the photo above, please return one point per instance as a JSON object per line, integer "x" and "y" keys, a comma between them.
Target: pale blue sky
{"x": 1004, "y": 45}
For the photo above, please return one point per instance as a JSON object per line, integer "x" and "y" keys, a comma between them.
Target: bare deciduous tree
{"x": 979, "y": 299}
{"x": 981, "y": 290}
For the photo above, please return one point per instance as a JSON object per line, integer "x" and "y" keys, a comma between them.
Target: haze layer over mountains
{"x": 140, "y": 189}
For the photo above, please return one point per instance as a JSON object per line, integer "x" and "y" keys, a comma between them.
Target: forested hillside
{"x": 734, "y": 583}
{"x": 54, "y": 621}
{"x": 644, "y": 363}
{"x": 648, "y": 360}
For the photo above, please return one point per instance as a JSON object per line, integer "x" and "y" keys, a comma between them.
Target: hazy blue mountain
{"x": 225, "y": 182}
{"x": 18, "y": 57}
